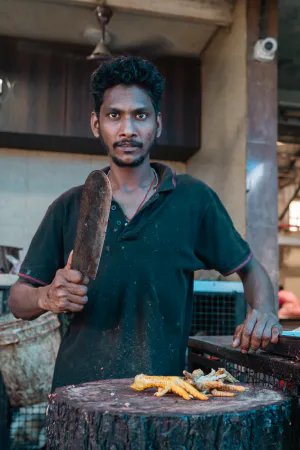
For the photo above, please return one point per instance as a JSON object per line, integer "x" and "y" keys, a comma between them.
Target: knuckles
{"x": 63, "y": 304}
{"x": 82, "y": 290}
{"x": 60, "y": 294}
{"x": 76, "y": 276}
{"x": 252, "y": 314}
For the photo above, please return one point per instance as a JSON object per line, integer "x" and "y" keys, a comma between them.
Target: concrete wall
{"x": 221, "y": 161}
{"x": 31, "y": 180}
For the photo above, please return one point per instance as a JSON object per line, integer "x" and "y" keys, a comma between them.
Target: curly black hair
{"x": 127, "y": 70}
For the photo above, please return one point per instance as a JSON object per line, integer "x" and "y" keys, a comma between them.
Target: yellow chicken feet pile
{"x": 167, "y": 384}
{"x": 196, "y": 384}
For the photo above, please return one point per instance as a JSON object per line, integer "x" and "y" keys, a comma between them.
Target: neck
{"x": 130, "y": 178}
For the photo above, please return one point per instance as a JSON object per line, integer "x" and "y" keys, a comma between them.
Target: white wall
{"x": 31, "y": 180}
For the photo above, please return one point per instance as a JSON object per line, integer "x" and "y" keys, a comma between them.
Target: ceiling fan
{"x": 105, "y": 48}
{"x": 101, "y": 51}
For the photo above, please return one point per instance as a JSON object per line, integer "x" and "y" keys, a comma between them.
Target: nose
{"x": 127, "y": 128}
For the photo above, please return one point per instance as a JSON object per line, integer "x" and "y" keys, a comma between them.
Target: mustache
{"x": 130, "y": 142}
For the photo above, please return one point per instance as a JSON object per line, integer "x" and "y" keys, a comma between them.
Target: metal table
{"x": 257, "y": 368}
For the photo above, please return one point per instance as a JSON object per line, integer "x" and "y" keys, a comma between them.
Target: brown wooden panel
{"x": 37, "y": 103}
{"x": 52, "y": 93}
{"x": 79, "y": 103}
{"x": 181, "y": 101}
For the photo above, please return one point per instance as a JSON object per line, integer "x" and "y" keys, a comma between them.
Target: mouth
{"x": 128, "y": 147}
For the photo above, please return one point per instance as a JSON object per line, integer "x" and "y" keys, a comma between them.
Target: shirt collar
{"x": 167, "y": 176}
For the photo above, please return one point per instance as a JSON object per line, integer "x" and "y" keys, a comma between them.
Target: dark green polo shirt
{"x": 138, "y": 315}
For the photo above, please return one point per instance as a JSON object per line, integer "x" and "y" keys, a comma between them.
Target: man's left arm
{"x": 261, "y": 325}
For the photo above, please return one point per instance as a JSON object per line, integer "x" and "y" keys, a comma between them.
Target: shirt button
{"x": 113, "y": 207}
{"x": 118, "y": 222}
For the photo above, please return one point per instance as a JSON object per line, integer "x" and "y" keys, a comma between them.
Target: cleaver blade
{"x": 94, "y": 212}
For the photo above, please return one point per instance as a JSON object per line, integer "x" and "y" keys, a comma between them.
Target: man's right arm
{"x": 23, "y": 300}
{"x": 67, "y": 292}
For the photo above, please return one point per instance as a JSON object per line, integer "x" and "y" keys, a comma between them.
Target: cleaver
{"x": 288, "y": 344}
{"x": 92, "y": 224}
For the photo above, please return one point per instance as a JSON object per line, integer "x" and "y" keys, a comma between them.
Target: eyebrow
{"x": 136, "y": 110}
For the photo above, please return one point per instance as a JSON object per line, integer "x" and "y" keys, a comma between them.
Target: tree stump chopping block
{"x": 110, "y": 415}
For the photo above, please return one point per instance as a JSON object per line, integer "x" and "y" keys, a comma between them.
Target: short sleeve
{"x": 219, "y": 246}
{"x": 45, "y": 253}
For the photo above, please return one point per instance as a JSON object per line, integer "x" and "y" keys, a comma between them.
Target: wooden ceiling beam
{"x": 213, "y": 12}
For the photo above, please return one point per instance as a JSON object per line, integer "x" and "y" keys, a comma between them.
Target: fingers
{"x": 76, "y": 289}
{"x": 276, "y": 332}
{"x": 73, "y": 307}
{"x": 69, "y": 262}
{"x": 268, "y": 333}
{"x": 72, "y": 276}
{"x": 63, "y": 294}
{"x": 68, "y": 291}
{"x": 249, "y": 325}
{"x": 64, "y": 302}
{"x": 258, "y": 330}
{"x": 76, "y": 299}
{"x": 237, "y": 336}
{"x": 257, "y": 334}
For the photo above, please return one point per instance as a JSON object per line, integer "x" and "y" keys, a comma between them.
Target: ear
{"x": 159, "y": 125}
{"x": 95, "y": 124}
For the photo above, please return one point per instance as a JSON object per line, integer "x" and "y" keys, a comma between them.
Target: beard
{"x": 136, "y": 163}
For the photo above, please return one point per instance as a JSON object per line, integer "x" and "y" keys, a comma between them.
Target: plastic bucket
{"x": 28, "y": 352}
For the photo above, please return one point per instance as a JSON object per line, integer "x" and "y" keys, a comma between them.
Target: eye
{"x": 141, "y": 116}
{"x": 113, "y": 115}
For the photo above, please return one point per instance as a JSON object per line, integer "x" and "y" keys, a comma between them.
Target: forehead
{"x": 126, "y": 98}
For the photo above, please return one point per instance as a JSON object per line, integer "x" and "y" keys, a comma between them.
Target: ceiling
{"x": 68, "y": 23}
{"x": 55, "y": 21}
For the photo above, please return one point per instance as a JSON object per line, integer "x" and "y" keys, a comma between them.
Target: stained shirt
{"x": 139, "y": 310}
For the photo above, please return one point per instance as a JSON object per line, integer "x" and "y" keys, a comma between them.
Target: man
{"x": 136, "y": 316}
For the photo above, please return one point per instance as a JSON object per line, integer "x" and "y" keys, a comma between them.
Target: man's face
{"x": 127, "y": 125}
